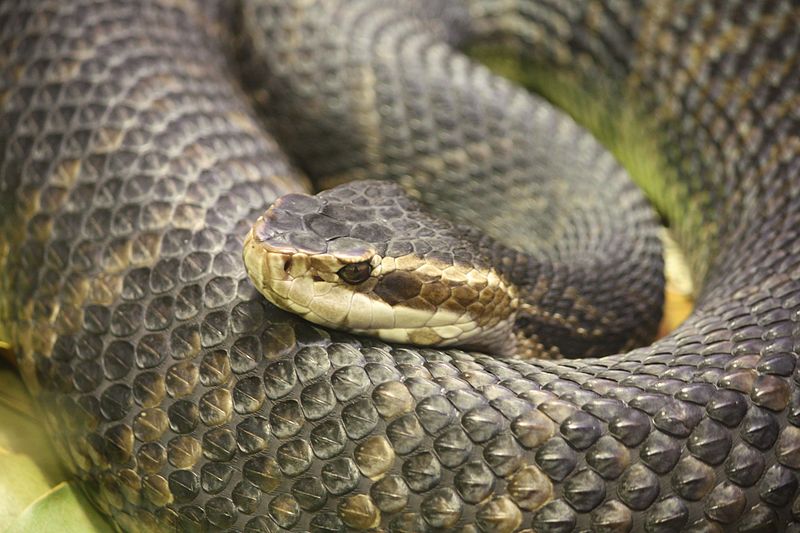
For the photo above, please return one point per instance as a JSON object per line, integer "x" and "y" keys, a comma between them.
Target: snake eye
{"x": 355, "y": 273}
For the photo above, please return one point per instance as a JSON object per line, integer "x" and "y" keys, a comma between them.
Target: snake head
{"x": 366, "y": 258}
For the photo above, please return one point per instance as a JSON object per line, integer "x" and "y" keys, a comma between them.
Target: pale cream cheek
{"x": 280, "y": 288}
{"x": 253, "y": 257}
{"x": 383, "y": 314}
{"x": 323, "y": 288}
{"x": 426, "y": 336}
{"x": 443, "y": 317}
{"x": 360, "y": 315}
{"x": 411, "y": 318}
{"x": 331, "y": 304}
{"x": 339, "y": 307}
{"x": 301, "y": 291}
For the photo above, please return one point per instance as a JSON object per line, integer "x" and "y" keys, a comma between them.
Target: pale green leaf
{"x": 64, "y": 509}
{"x": 33, "y": 493}
{"x": 21, "y": 431}
{"x": 21, "y": 483}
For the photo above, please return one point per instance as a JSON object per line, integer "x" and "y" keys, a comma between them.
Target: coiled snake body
{"x": 132, "y": 166}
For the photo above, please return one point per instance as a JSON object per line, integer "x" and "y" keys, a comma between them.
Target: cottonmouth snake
{"x": 133, "y": 165}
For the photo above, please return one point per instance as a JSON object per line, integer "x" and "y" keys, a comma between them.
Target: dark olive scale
{"x": 131, "y": 168}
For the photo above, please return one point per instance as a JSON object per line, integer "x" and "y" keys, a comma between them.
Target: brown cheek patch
{"x": 435, "y": 293}
{"x": 424, "y": 337}
{"x": 479, "y": 285}
{"x": 487, "y": 296}
{"x": 454, "y": 307}
{"x": 477, "y": 310}
{"x": 397, "y": 287}
{"x": 421, "y": 305}
{"x": 465, "y": 295}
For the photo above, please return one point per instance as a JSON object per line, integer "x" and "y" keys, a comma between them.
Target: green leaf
{"x": 64, "y": 509}
{"x": 34, "y": 493}
{"x": 20, "y": 431}
{"x": 21, "y": 482}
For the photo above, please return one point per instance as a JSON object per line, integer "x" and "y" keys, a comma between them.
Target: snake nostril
{"x": 287, "y": 265}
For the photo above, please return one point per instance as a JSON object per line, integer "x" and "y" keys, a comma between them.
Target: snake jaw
{"x": 360, "y": 310}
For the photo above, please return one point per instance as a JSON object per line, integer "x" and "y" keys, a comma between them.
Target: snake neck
{"x": 561, "y": 314}
{"x": 655, "y": 82}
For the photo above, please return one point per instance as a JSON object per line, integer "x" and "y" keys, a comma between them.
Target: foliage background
{"x": 35, "y": 492}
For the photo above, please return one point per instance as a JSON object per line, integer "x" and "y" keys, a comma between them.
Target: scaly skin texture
{"x": 131, "y": 167}
{"x": 422, "y": 280}
{"x": 374, "y": 90}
